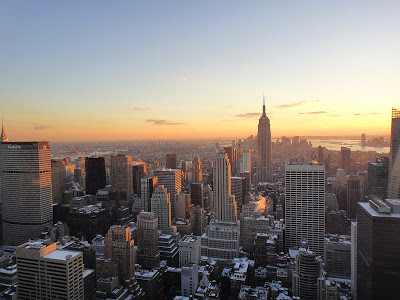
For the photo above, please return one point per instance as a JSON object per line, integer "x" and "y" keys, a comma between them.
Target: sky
{"x": 126, "y": 70}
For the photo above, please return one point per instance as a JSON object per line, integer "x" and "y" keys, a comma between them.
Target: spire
{"x": 263, "y": 114}
{"x": 3, "y": 137}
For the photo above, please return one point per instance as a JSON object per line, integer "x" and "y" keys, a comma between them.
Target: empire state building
{"x": 264, "y": 155}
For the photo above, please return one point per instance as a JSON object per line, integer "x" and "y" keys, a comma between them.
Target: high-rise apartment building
{"x": 147, "y": 240}
{"x": 161, "y": 207}
{"x": 353, "y": 195}
{"x": 225, "y": 208}
{"x": 58, "y": 177}
{"x": 305, "y": 206}
{"x": 345, "y": 159}
{"x": 25, "y": 176}
{"x": 121, "y": 175}
{"x": 95, "y": 169}
{"x": 264, "y": 149}
{"x": 394, "y": 166}
{"x": 172, "y": 181}
{"x": 170, "y": 161}
{"x": 378, "y": 244}
{"x": 46, "y": 273}
{"x": 197, "y": 173}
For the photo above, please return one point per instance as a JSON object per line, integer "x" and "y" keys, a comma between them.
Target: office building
{"x": 46, "y": 273}
{"x": 225, "y": 208}
{"x": 308, "y": 276}
{"x": 345, "y": 154}
{"x": 147, "y": 240}
{"x": 378, "y": 244}
{"x": 264, "y": 149}
{"x": 196, "y": 194}
{"x": 121, "y": 175}
{"x": 189, "y": 279}
{"x": 139, "y": 171}
{"x": 353, "y": 195}
{"x": 147, "y": 185}
{"x": 197, "y": 172}
{"x": 58, "y": 177}
{"x": 394, "y": 166}
{"x": 221, "y": 240}
{"x": 120, "y": 251}
{"x": 189, "y": 250}
{"x": 378, "y": 177}
{"x": 170, "y": 161}
{"x": 232, "y": 157}
{"x": 25, "y": 177}
{"x": 172, "y": 181}
{"x": 161, "y": 207}
{"x": 95, "y": 169}
{"x": 305, "y": 206}
{"x": 338, "y": 256}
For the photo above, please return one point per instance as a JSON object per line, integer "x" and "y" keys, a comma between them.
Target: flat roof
{"x": 63, "y": 255}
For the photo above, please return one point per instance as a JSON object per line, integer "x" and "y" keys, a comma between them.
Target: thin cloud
{"x": 183, "y": 78}
{"x": 229, "y": 106}
{"x": 41, "y": 126}
{"x": 248, "y": 115}
{"x": 334, "y": 116}
{"x": 163, "y": 122}
{"x": 367, "y": 114}
{"x": 314, "y": 112}
{"x": 296, "y": 104}
{"x": 139, "y": 108}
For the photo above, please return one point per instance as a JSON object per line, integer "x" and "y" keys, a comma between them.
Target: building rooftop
{"x": 190, "y": 239}
{"x": 63, "y": 255}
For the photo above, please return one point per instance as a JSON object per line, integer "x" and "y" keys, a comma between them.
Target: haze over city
{"x": 181, "y": 70}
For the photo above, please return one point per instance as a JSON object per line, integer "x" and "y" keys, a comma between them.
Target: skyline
{"x": 136, "y": 71}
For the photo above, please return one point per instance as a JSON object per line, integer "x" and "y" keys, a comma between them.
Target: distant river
{"x": 353, "y": 144}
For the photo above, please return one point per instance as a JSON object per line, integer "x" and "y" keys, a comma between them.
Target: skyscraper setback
{"x": 25, "y": 176}
{"x": 264, "y": 150}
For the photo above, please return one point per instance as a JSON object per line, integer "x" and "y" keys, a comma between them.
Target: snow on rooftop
{"x": 61, "y": 254}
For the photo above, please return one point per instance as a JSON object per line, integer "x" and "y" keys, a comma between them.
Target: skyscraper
{"x": 139, "y": 172}
{"x": 305, "y": 206}
{"x": 232, "y": 156}
{"x": 25, "y": 175}
{"x": 197, "y": 173}
{"x": 3, "y": 136}
{"x": 161, "y": 207}
{"x": 46, "y": 273}
{"x": 378, "y": 174}
{"x": 147, "y": 240}
{"x": 378, "y": 244}
{"x": 95, "y": 169}
{"x": 264, "y": 150}
{"x": 345, "y": 154}
{"x": 172, "y": 181}
{"x": 353, "y": 195}
{"x": 121, "y": 175}
{"x": 224, "y": 204}
{"x": 170, "y": 161}
{"x": 394, "y": 166}
{"x": 58, "y": 177}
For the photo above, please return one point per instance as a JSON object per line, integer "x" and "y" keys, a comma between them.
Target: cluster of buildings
{"x": 304, "y": 227}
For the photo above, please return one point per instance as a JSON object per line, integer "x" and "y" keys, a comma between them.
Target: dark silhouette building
{"x": 378, "y": 249}
{"x": 95, "y": 169}
{"x": 170, "y": 161}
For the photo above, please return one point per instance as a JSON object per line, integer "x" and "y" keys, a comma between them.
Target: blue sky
{"x": 89, "y": 69}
